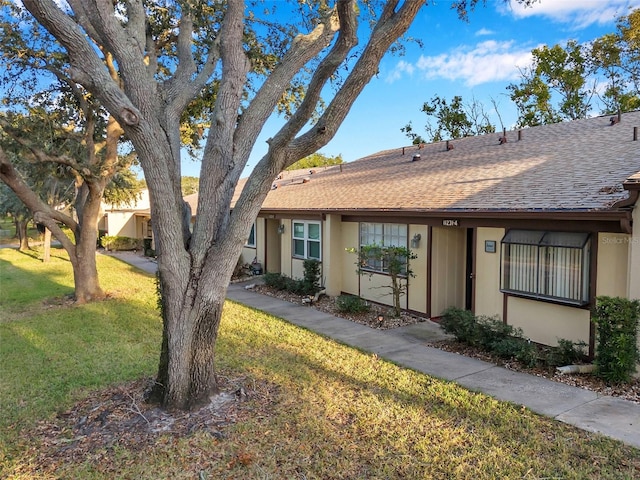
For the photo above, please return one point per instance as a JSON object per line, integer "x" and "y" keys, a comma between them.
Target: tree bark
{"x": 46, "y": 254}
{"x": 21, "y": 231}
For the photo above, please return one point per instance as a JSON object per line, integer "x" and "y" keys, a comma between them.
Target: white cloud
{"x": 578, "y": 13}
{"x": 484, "y": 31}
{"x": 488, "y": 61}
{"x": 400, "y": 68}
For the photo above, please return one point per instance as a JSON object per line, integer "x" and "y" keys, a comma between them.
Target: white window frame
{"x": 547, "y": 265}
{"x": 252, "y": 234}
{"x": 305, "y": 239}
{"x": 382, "y": 234}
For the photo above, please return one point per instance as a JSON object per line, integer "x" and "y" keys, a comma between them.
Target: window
{"x": 251, "y": 241}
{"x": 382, "y": 234}
{"x": 549, "y": 265}
{"x": 306, "y": 240}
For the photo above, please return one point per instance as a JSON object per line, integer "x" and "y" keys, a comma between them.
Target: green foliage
{"x": 116, "y": 243}
{"x": 283, "y": 282}
{"x": 352, "y": 304}
{"x": 617, "y": 352}
{"x": 309, "y": 285}
{"x": 189, "y": 185}
{"x": 124, "y": 189}
{"x": 311, "y": 279}
{"x": 489, "y": 333}
{"x": 452, "y": 120}
{"x": 617, "y": 57}
{"x": 460, "y": 323}
{"x": 316, "y": 160}
{"x": 557, "y": 72}
{"x": 565, "y": 353}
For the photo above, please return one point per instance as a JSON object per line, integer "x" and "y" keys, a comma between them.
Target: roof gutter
{"x": 632, "y": 185}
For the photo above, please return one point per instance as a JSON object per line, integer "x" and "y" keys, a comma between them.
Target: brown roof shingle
{"x": 577, "y": 165}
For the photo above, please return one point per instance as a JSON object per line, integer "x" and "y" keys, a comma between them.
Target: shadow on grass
{"x": 22, "y": 285}
{"x": 37, "y": 254}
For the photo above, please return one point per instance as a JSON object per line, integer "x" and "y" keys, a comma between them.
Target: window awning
{"x": 546, "y": 239}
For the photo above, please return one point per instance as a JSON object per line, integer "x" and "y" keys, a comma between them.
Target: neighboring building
{"x": 531, "y": 229}
{"x": 132, "y": 220}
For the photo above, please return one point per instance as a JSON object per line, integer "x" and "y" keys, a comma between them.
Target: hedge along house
{"x": 528, "y": 225}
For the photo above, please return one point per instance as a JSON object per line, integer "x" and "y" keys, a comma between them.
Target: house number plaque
{"x": 451, "y": 222}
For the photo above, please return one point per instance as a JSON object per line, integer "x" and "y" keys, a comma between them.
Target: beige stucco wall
{"x": 350, "y": 239}
{"x": 417, "y": 295}
{"x": 122, "y": 224}
{"x": 285, "y": 248}
{"x": 634, "y": 257}
{"x": 377, "y": 288}
{"x": 613, "y": 263}
{"x": 488, "y": 298}
{"x": 448, "y": 269}
{"x": 633, "y": 291}
{"x": 332, "y": 258}
{"x": 547, "y": 322}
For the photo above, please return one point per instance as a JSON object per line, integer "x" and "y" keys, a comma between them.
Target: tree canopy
{"x": 316, "y": 160}
{"x": 233, "y": 65}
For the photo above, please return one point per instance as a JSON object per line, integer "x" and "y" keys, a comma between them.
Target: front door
{"x": 469, "y": 273}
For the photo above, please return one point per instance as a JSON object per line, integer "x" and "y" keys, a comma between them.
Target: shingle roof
{"x": 577, "y": 165}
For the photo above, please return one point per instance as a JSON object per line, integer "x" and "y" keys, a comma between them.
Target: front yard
{"x": 293, "y": 404}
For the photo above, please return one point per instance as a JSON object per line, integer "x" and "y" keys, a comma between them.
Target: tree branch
{"x": 390, "y": 27}
{"x": 10, "y": 176}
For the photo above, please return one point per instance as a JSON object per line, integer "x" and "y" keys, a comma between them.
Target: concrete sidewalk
{"x": 610, "y": 416}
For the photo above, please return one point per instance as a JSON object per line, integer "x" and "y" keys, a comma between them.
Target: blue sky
{"x": 476, "y": 60}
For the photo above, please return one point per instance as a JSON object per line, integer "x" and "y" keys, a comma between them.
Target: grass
{"x": 333, "y": 412}
{"x": 8, "y": 230}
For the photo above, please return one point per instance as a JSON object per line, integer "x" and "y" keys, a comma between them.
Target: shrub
{"x": 310, "y": 283}
{"x": 516, "y": 347}
{"x": 276, "y": 280}
{"x": 489, "y": 330}
{"x": 566, "y": 353}
{"x": 116, "y": 243}
{"x": 460, "y": 323}
{"x": 617, "y": 333}
{"x": 101, "y": 235}
{"x": 351, "y": 304}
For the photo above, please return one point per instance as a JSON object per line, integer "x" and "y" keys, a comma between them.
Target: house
{"x": 133, "y": 220}
{"x": 529, "y": 225}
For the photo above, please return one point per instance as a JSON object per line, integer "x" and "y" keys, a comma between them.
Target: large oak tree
{"x": 248, "y": 58}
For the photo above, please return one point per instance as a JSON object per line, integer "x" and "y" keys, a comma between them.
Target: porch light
{"x": 281, "y": 228}
{"x": 415, "y": 241}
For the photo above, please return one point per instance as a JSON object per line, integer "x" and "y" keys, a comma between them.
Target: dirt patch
{"x": 120, "y": 417}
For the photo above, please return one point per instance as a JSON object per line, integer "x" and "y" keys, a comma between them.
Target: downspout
{"x": 628, "y": 204}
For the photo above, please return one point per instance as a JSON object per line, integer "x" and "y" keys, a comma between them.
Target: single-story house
{"x": 529, "y": 225}
{"x": 133, "y": 220}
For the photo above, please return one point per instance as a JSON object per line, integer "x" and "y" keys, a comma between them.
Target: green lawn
{"x": 8, "y": 230}
{"x": 330, "y": 411}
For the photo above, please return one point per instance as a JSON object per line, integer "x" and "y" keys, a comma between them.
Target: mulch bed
{"x": 630, "y": 391}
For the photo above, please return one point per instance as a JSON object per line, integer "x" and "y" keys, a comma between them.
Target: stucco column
{"x": 634, "y": 263}
{"x": 332, "y": 254}
{"x": 634, "y": 256}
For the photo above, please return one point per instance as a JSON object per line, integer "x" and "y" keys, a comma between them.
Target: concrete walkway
{"x": 610, "y": 416}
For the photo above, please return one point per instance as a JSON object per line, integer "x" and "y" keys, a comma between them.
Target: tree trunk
{"x": 186, "y": 372}
{"x": 21, "y": 232}
{"x": 46, "y": 255}
{"x": 85, "y": 277}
